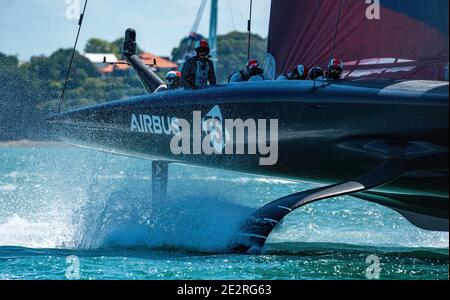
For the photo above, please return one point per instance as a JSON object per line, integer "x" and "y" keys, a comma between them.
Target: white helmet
{"x": 302, "y": 71}
{"x": 173, "y": 78}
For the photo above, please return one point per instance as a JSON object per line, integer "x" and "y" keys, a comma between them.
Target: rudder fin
{"x": 259, "y": 225}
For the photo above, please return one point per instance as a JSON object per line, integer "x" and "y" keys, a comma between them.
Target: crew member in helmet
{"x": 316, "y": 74}
{"x": 335, "y": 69}
{"x": 198, "y": 71}
{"x": 252, "y": 72}
{"x": 173, "y": 82}
{"x": 255, "y": 72}
{"x": 300, "y": 72}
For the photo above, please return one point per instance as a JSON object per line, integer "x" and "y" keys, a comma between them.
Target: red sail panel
{"x": 409, "y": 40}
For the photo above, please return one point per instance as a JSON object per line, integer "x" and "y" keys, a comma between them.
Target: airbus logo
{"x": 213, "y": 134}
{"x": 154, "y": 124}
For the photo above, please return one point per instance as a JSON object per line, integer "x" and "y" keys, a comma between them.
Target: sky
{"x": 36, "y": 27}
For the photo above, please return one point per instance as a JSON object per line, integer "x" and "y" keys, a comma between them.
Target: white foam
{"x": 8, "y": 188}
{"x": 191, "y": 223}
{"x": 335, "y": 223}
{"x": 17, "y": 231}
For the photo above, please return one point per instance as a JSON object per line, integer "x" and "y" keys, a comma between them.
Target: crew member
{"x": 317, "y": 74}
{"x": 300, "y": 72}
{"x": 173, "y": 82}
{"x": 198, "y": 71}
{"x": 252, "y": 72}
{"x": 335, "y": 69}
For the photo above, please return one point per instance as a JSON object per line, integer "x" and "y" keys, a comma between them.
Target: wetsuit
{"x": 240, "y": 76}
{"x": 283, "y": 76}
{"x": 197, "y": 73}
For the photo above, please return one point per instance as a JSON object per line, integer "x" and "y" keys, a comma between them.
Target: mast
{"x": 213, "y": 30}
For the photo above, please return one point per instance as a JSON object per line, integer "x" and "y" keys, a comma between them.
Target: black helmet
{"x": 316, "y": 73}
{"x": 202, "y": 45}
{"x": 335, "y": 68}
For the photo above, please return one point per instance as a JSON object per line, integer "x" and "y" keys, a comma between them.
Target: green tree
{"x": 117, "y": 45}
{"x": 95, "y": 45}
{"x": 6, "y": 60}
{"x": 19, "y": 95}
{"x": 30, "y": 92}
{"x": 232, "y": 53}
{"x": 186, "y": 45}
{"x": 51, "y": 71}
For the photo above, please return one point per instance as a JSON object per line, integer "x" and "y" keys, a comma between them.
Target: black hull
{"x": 326, "y": 134}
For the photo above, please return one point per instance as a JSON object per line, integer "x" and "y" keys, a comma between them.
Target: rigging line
{"x": 199, "y": 16}
{"x": 333, "y": 47}
{"x": 195, "y": 27}
{"x": 317, "y": 42}
{"x": 249, "y": 29}
{"x": 336, "y": 29}
{"x": 80, "y": 23}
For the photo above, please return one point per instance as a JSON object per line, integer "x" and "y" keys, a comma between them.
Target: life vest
{"x": 238, "y": 76}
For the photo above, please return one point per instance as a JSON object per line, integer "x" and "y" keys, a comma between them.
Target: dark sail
{"x": 404, "y": 39}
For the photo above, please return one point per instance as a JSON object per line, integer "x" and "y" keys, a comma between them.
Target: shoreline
{"x": 30, "y": 143}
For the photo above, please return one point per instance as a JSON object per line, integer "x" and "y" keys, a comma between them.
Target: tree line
{"x": 30, "y": 91}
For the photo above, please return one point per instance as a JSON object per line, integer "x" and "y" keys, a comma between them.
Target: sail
{"x": 400, "y": 39}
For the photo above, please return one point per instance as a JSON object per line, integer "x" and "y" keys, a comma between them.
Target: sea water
{"x": 69, "y": 213}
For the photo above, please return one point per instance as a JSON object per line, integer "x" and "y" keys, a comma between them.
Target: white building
{"x": 99, "y": 59}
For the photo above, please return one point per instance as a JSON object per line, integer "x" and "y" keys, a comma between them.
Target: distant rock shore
{"x": 29, "y": 143}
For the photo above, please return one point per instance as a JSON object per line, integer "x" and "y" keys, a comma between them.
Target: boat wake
{"x": 127, "y": 219}
{"x": 63, "y": 198}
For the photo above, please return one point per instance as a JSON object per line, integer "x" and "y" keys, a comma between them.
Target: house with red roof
{"x": 109, "y": 65}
